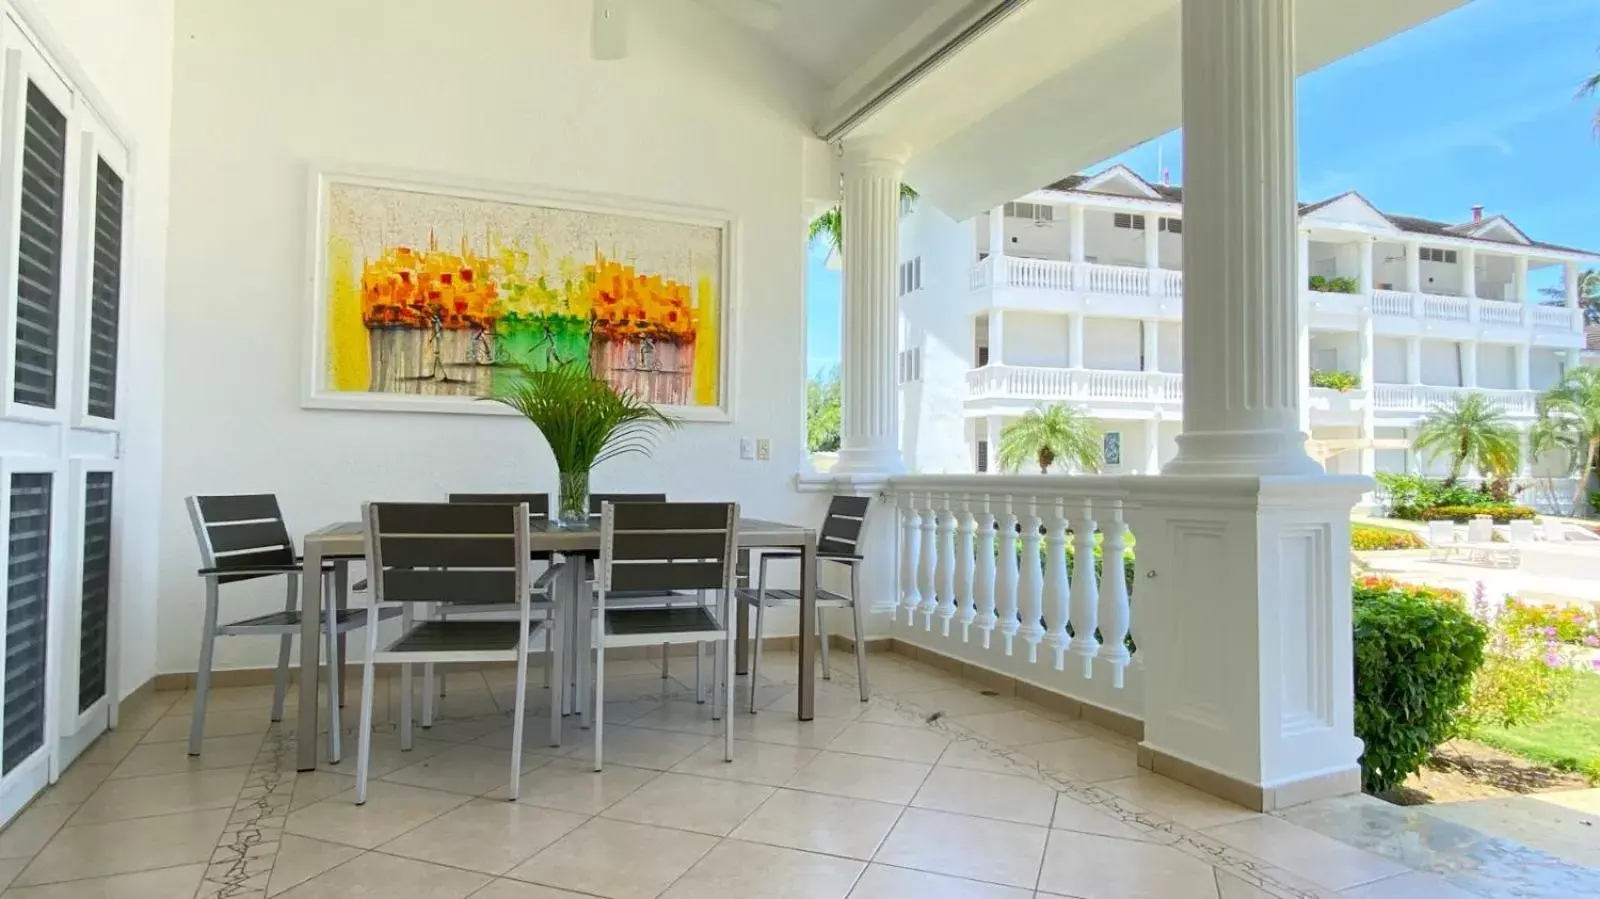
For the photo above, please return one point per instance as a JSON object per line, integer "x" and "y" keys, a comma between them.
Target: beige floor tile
{"x": 536, "y": 736}
{"x": 149, "y": 708}
{"x": 1170, "y": 799}
{"x": 616, "y": 859}
{"x": 637, "y": 747}
{"x": 227, "y": 699}
{"x": 861, "y": 777}
{"x": 973, "y": 756}
{"x": 29, "y": 831}
{"x": 910, "y": 744}
{"x": 736, "y": 870}
{"x": 1074, "y": 815}
{"x": 1015, "y": 728}
{"x": 173, "y": 758}
{"x": 959, "y": 701}
{"x": 1093, "y": 867}
{"x": 574, "y": 786}
{"x": 123, "y": 847}
{"x": 473, "y": 729}
{"x": 1319, "y": 859}
{"x": 785, "y": 728}
{"x": 77, "y": 783}
{"x": 816, "y": 822}
{"x": 163, "y": 884}
{"x": 987, "y": 795}
{"x": 315, "y": 786}
{"x": 376, "y": 874}
{"x": 390, "y": 810}
{"x": 762, "y": 763}
{"x": 162, "y": 794}
{"x": 219, "y": 723}
{"x": 111, "y": 747}
{"x": 299, "y": 859}
{"x": 629, "y": 710}
{"x": 682, "y": 717}
{"x": 898, "y": 678}
{"x": 835, "y": 703}
{"x": 1086, "y": 759}
{"x": 473, "y": 770}
{"x": 485, "y": 835}
{"x": 514, "y": 889}
{"x": 977, "y": 848}
{"x": 685, "y": 802}
{"x": 1231, "y": 887}
{"x": 9, "y": 869}
{"x": 387, "y": 756}
{"x": 884, "y": 882}
{"x": 627, "y": 689}
{"x": 1407, "y": 886}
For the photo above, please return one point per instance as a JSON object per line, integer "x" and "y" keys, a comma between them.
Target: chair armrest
{"x": 543, "y": 581}
{"x": 822, "y": 556}
{"x": 255, "y": 570}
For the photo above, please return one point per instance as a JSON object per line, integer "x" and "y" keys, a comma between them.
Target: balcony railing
{"x": 1497, "y": 312}
{"x": 1554, "y": 318}
{"x": 1422, "y": 398}
{"x": 1397, "y": 303}
{"x": 985, "y": 577}
{"x": 1043, "y": 383}
{"x": 1450, "y": 309}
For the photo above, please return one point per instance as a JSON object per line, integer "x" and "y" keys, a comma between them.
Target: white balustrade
{"x": 980, "y": 274}
{"x": 1496, "y": 312}
{"x": 1117, "y": 385}
{"x": 1119, "y": 279}
{"x": 1392, "y": 302}
{"x": 991, "y": 552}
{"x": 1043, "y": 273}
{"x": 1041, "y": 383}
{"x": 1423, "y": 398}
{"x": 1553, "y": 318}
{"x": 1169, "y": 283}
{"x": 1450, "y": 309}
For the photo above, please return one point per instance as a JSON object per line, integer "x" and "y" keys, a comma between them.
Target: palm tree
{"x": 1587, "y": 89}
{"x": 1571, "y": 412}
{"x": 1588, "y": 293}
{"x": 1045, "y": 435}
{"x": 829, "y": 226}
{"x": 1474, "y": 432}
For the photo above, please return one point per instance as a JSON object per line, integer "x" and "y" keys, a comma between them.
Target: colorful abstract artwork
{"x": 429, "y": 299}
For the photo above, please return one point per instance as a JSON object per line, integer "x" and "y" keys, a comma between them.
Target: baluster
{"x": 984, "y": 579}
{"x": 965, "y": 532}
{"x": 1057, "y": 593}
{"x": 1084, "y": 592}
{"x": 1031, "y": 588}
{"x": 1116, "y": 614}
{"x": 947, "y": 566}
{"x": 1007, "y": 558}
{"x": 930, "y": 554}
{"x": 910, "y": 548}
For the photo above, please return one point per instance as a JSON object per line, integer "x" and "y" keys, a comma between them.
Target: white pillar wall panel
{"x": 1075, "y": 341}
{"x": 1076, "y": 251}
{"x": 1152, "y": 344}
{"x": 997, "y": 239}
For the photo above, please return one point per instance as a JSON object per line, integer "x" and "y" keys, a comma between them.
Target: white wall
{"x": 1388, "y": 360}
{"x": 1442, "y": 277}
{"x": 501, "y": 92}
{"x": 1115, "y": 344}
{"x": 1337, "y": 346}
{"x": 1441, "y": 363}
{"x": 932, "y": 430}
{"x": 1497, "y": 366}
{"x": 1042, "y": 240}
{"x": 1169, "y": 347}
{"x": 1036, "y": 338}
{"x": 1389, "y": 266}
{"x": 1545, "y": 367}
{"x": 1171, "y": 248}
{"x": 1109, "y": 245}
{"x": 123, "y": 48}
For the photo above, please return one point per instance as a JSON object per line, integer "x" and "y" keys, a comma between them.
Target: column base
{"x": 1256, "y": 797}
{"x": 869, "y": 460}
{"x": 1211, "y": 453}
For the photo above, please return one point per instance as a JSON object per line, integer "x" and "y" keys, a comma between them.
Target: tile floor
{"x": 993, "y": 799}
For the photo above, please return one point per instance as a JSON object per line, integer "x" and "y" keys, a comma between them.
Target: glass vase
{"x": 572, "y": 507}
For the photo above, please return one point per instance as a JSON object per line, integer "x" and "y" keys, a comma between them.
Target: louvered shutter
{"x": 27, "y": 611}
{"x": 105, "y": 297}
{"x": 96, "y": 588}
{"x": 44, "y": 157}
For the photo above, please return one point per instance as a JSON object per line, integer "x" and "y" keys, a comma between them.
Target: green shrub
{"x": 1415, "y": 657}
{"x": 1527, "y": 672}
{"x": 1341, "y": 381}
{"x": 1369, "y": 537}
{"x": 1410, "y": 495}
{"x": 1343, "y": 285}
{"x": 1317, "y": 282}
{"x": 1459, "y": 514}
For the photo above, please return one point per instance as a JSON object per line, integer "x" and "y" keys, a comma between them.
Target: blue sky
{"x": 1475, "y": 107}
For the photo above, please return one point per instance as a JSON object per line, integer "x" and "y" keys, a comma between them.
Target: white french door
{"x": 63, "y": 211}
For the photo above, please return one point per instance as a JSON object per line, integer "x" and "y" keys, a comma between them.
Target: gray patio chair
{"x": 475, "y": 554}
{"x": 837, "y": 543}
{"x": 663, "y": 547}
{"x": 243, "y": 537}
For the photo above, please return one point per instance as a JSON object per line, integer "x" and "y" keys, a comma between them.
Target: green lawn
{"x": 1570, "y": 740}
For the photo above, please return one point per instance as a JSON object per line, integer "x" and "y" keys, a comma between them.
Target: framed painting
{"x": 428, "y": 295}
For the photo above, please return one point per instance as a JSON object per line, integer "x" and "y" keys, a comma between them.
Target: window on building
{"x": 910, "y": 275}
{"x": 1111, "y": 448}
{"x": 38, "y": 316}
{"x": 1127, "y": 220}
{"x": 105, "y": 295}
{"x": 1435, "y": 254}
{"x": 981, "y": 464}
{"x": 1037, "y": 212}
{"x": 983, "y": 356}
{"x": 1171, "y": 226}
{"x": 911, "y": 365}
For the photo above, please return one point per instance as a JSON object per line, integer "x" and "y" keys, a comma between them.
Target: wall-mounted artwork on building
{"x": 426, "y": 297}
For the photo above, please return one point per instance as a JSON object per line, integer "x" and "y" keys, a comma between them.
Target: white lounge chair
{"x": 1441, "y": 540}
{"x": 1555, "y": 531}
{"x": 1481, "y": 546}
{"x": 1521, "y": 532}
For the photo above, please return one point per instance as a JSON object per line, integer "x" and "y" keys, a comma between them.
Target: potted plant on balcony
{"x": 585, "y": 421}
{"x": 1342, "y": 381}
{"x": 1055, "y": 432}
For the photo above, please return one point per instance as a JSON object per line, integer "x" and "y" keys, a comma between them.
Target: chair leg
{"x": 666, "y": 660}
{"x": 558, "y": 668}
{"x": 202, "y": 677}
{"x": 699, "y": 677}
{"x": 330, "y": 632}
{"x": 280, "y": 680}
{"x": 599, "y": 697}
{"x": 822, "y": 641}
{"x": 586, "y": 656}
{"x": 716, "y": 682}
{"x": 427, "y": 687}
{"x": 368, "y": 675}
{"x": 755, "y": 663}
{"x": 727, "y": 677}
{"x": 519, "y": 713}
{"x": 858, "y": 614}
{"x": 405, "y": 686}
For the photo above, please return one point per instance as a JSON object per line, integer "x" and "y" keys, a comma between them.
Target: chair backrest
{"x": 538, "y": 503}
{"x": 667, "y": 546}
{"x": 1441, "y": 533}
{"x": 1554, "y": 530}
{"x": 597, "y": 501}
{"x": 447, "y": 552}
{"x": 841, "y": 530}
{"x": 1480, "y": 530}
{"x": 240, "y": 531}
{"x": 1521, "y": 531}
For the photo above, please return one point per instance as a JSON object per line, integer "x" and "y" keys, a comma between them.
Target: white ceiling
{"x": 830, "y": 39}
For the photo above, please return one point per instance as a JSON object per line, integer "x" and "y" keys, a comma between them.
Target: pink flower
{"x": 1549, "y": 632}
{"x": 1552, "y": 660}
{"x": 1592, "y": 641}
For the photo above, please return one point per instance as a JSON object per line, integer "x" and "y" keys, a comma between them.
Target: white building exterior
{"x": 1074, "y": 293}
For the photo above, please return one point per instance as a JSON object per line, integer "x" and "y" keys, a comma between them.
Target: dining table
{"x": 343, "y": 542}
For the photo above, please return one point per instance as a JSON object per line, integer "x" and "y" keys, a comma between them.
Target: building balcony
{"x": 1418, "y": 399}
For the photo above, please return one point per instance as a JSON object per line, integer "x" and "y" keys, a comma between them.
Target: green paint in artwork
{"x": 539, "y": 341}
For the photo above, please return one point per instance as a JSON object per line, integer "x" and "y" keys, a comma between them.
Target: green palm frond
{"x": 829, "y": 226}
{"x": 583, "y": 418}
{"x": 1054, "y": 433}
{"x": 1472, "y": 432}
{"x": 1587, "y": 89}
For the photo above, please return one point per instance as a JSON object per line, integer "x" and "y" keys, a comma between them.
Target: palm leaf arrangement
{"x": 1053, "y": 433}
{"x": 1473, "y": 433}
{"x": 585, "y": 421}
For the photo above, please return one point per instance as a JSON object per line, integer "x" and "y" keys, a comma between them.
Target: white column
{"x": 1523, "y": 364}
{"x": 869, "y": 417}
{"x": 1366, "y": 370}
{"x": 1524, "y": 454}
{"x": 1571, "y": 281}
{"x": 1152, "y": 446}
{"x": 1413, "y": 360}
{"x": 1270, "y": 719}
{"x": 996, "y": 423}
{"x": 1302, "y": 354}
{"x": 997, "y": 232}
{"x": 997, "y": 337}
{"x": 1413, "y": 266}
{"x": 1469, "y": 272}
{"x": 1469, "y": 363}
{"x": 1241, "y": 322}
{"x": 1075, "y": 340}
{"x": 1075, "y": 233}
{"x": 1519, "y": 279}
{"x": 1152, "y": 344}
{"x": 1366, "y": 266}
{"x": 1302, "y": 275}
{"x": 1152, "y": 250}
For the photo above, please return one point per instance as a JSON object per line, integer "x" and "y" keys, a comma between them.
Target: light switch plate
{"x": 763, "y": 449}
{"x": 747, "y": 447}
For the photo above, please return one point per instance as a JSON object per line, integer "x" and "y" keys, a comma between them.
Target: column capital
{"x": 875, "y": 151}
